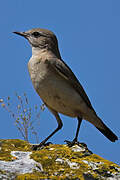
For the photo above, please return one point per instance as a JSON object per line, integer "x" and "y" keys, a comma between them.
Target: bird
{"x": 57, "y": 85}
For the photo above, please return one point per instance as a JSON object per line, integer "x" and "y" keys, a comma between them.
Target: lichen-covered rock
{"x": 18, "y": 162}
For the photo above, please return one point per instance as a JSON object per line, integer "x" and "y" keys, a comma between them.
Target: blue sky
{"x": 89, "y": 40}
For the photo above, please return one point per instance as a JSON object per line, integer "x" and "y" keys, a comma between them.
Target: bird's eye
{"x": 36, "y": 34}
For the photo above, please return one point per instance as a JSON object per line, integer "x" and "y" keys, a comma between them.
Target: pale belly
{"x": 56, "y": 91}
{"x": 60, "y": 96}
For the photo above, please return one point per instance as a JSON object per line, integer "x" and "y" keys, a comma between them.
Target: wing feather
{"x": 62, "y": 68}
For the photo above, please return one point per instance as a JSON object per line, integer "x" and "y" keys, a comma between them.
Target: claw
{"x": 74, "y": 142}
{"x": 71, "y": 143}
{"x": 34, "y": 147}
{"x": 40, "y": 146}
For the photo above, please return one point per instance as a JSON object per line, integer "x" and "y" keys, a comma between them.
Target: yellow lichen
{"x": 55, "y": 161}
{"x": 12, "y": 145}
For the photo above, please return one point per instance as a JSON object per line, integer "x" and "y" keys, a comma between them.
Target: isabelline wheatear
{"x": 57, "y": 85}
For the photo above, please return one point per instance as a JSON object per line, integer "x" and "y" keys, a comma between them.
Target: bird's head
{"x": 41, "y": 38}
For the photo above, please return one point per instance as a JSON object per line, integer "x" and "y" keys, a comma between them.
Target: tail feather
{"x": 98, "y": 123}
{"x": 106, "y": 131}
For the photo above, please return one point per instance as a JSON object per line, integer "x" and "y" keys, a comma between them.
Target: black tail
{"x": 108, "y": 133}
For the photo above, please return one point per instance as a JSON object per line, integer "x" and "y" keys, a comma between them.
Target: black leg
{"x": 71, "y": 143}
{"x": 78, "y": 128}
{"x": 60, "y": 124}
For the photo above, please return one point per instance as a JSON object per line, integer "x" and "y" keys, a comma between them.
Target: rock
{"x": 18, "y": 162}
{"x": 21, "y": 163}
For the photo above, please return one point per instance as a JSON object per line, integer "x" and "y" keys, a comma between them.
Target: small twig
{"x": 23, "y": 115}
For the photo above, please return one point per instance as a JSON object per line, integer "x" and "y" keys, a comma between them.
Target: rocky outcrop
{"x": 18, "y": 162}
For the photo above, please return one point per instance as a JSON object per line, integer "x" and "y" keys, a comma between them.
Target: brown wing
{"x": 61, "y": 67}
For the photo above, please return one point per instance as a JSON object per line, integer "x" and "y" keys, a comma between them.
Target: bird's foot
{"x": 75, "y": 142}
{"x": 72, "y": 143}
{"x": 40, "y": 146}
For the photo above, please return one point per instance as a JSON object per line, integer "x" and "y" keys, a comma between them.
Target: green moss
{"x": 48, "y": 155}
{"x": 12, "y": 145}
{"x": 35, "y": 176}
{"x": 53, "y": 169}
{"x": 105, "y": 168}
{"x": 38, "y": 176}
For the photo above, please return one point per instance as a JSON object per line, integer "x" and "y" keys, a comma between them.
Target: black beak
{"x": 21, "y": 34}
